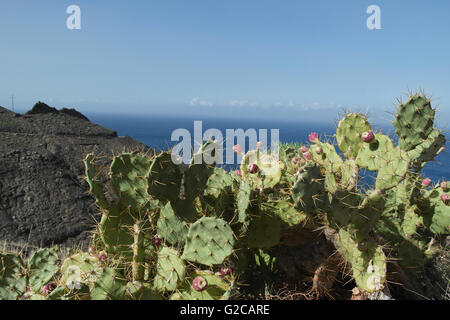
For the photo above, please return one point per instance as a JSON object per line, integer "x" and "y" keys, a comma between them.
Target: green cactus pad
{"x": 13, "y": 278}
{"x": 411, "y": 221}
{"x": 437, "y": 215}
{"x": 170, "y": 270}
{"x": 42, "y": 267}
{"x": 109, "y": 286}
{"x": 349, "y": 175}
{"x": 164, "y": 178}
{"x": 209, "y": 241}
{"x": 243, "y": 200}
{"x": 217, "y": 182}
{"x": 427, "y": 150}
{"x": 115, "y": 229}
{"x": 141, "y": 291}
{"x": 172, "y": 228}
{"x": 348, "y": 133}
{"x": 129, "y": 179}
{"x": 352, "y": 212}
{"x": 368, "y": 262}
{"x": 79, "y": 269}
{"x": 414, "y": 121}
{"x": 95, "y": 186}
{"x": 329, "y": 158}
{"x": 308, "y": 189}
{"x": 392, "y": 163}
{"x": 286, "y": 212}
{"x": 271, "y": 170}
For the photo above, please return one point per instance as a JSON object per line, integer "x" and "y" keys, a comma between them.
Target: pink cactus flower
{"x": 295, "y": 160}
{"x": 304, "y": 149}
{"x": 426, "y": 182}
{"x": 307, "y": 155}
{"x": 239, "y": 173}
{"x": 237, "y": 148}
{"x": 199, "y": 284}
{"x": 313, "y": 137}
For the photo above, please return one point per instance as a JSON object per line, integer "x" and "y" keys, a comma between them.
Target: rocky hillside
{"x": 43, "y": 198}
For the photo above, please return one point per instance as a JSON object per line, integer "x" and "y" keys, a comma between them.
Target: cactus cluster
{"x": 176, "y": 231}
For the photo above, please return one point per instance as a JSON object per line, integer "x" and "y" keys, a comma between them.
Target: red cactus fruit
{"x": 253, "y": 168}
{"x": 313, "y": 137}
{"x": 199, "y": 284}
{"x": 295, "y": 160}
{"x": 239, "y": 173}
{"x": 367, "y": 136}
{"x": 426, "y": 182}
{"x": 156, "y": 241}
{"x": 307, "y": 155}
{"x": 102, "y": 256}
{"x": 445, "y": 198}
{"x": 224, "y": 271}
{"x": 48, "y": 288}
{"x": 304, "y": 149}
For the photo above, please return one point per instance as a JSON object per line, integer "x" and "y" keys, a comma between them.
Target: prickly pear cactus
{"x": 209, "y": 241}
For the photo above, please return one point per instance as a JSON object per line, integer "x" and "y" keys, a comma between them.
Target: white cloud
{"x": 243, "y": 103}
{"x": 197, "y": 101}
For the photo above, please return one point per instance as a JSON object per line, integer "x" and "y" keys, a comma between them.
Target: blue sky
{"x": 223, "y": 57}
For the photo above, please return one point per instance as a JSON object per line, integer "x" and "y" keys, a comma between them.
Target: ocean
{"x": 156, "y": 131}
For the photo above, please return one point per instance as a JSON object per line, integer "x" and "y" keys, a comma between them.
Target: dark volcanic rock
{"x": 43, "y": 198}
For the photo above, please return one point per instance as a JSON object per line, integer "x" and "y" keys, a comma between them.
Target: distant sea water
{"x": 156, "y": 131}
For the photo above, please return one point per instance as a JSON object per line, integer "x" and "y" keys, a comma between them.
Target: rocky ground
{"x": 43, "y": 198}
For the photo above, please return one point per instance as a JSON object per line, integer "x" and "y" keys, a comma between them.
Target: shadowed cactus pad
{"x": 42, "y": 267}
{"x": 308, "y": 189}
{"x": 209, "y": 241}
{"x": 172, "y": 227}
{"x": 165, "y": 178}
{"x": 13, "y": 279}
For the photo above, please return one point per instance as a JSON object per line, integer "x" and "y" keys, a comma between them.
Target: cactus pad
{"x": 414, "y": 121}
{"x": 42, "y": 267}
{"x": 172, "y": 227}
{"x": 209, "y": 241}
{"x": 170, "y": 270}
{"x": 348, "y": 133}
